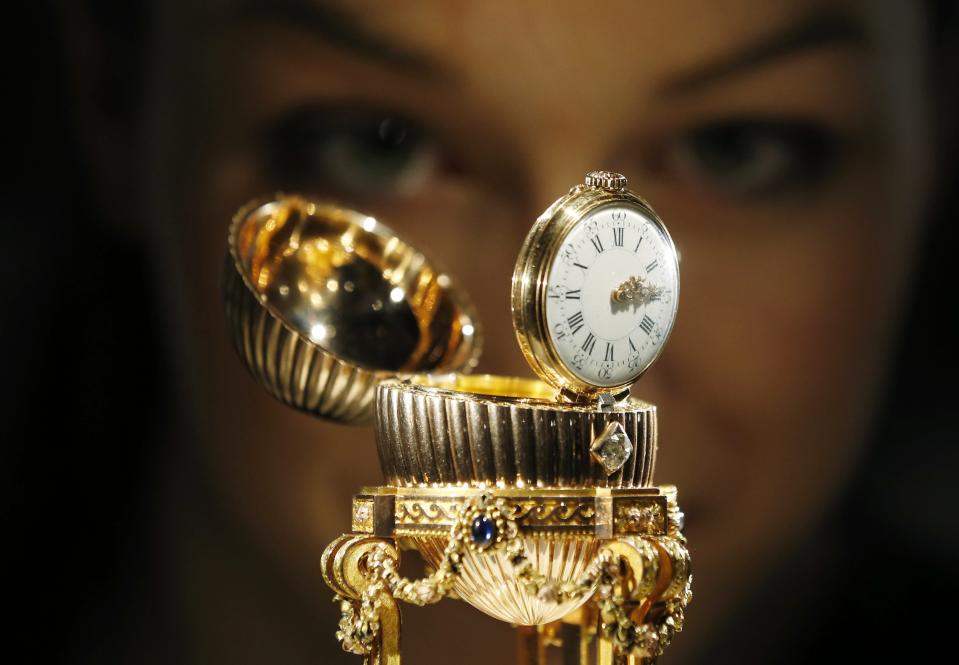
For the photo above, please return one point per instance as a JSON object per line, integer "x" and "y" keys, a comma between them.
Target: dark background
{"x": 83, "y": 370}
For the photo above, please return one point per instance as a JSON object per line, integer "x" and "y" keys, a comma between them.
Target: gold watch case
{"x": 536, "y": 258}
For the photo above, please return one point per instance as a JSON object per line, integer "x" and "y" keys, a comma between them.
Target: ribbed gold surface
{"x": 429, "y": 435}
{"x": 291, "y": 367}
{"x": 487, "y": 581}
{"x": 323, "y": 302}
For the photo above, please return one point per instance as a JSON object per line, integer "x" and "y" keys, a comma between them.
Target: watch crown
{"x": 605, "y": 180}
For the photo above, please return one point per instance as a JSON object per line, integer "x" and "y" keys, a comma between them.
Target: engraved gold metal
{"x": 505, "y": 432}
{"x": 533, "y": 266}
{"x": 538, "y": 512}
{"x": 605, "y": 180}
{"x": 639, "y": 584}
{"x": 324, "y": 302}
{"x": 370, "y": 623}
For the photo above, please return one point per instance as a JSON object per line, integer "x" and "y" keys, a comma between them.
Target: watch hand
{"x": 636, "y": 290}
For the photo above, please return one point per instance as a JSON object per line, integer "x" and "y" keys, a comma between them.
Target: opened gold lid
{"x": 325, "y": 302}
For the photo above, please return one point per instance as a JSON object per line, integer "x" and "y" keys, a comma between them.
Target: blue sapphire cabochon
{"x": 483, "y": 531}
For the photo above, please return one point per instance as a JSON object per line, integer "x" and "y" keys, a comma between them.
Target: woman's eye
{"x": 355, "y": 152}
{"x": 755, "y": 157}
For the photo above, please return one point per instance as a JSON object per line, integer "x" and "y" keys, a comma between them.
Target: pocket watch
{"x": 595, "y": 289}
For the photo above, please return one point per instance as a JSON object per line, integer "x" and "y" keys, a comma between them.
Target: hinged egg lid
{"x": 325, "y": 302}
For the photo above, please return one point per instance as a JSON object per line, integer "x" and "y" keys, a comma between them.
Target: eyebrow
{"x": 345, "y": 31}
{"x": 817, "y": 31}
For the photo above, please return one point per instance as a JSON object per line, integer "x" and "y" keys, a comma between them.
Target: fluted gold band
{"x": 293, "y": 369}
{"x": 505, "y": 432}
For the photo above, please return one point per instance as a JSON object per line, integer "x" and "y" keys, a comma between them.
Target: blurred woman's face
{"x": 766, "y": 135}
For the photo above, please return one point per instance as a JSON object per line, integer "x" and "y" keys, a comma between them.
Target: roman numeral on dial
{"x": 632, "y": 346}
{"x": 652, "y": 266}
{"x": 575, "y": 322}
{"x": 572, "y": 295}
{"x": 589, "y": 344}
{"x": 647, "y": 325}
{"x": 597, "y": 243}
{"x": 618, "y": 233}
{"x": 609, "y": 351}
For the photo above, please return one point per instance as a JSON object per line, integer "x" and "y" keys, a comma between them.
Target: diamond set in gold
{"x": 612, "y": 448}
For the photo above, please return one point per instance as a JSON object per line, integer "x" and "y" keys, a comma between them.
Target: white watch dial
{"x": 612, "y": 295}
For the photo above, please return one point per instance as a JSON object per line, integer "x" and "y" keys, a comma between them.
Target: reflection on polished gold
{"x": 495, "y": 556}
{"x": 532, "y": 500}
{"x": 538, "y": 512}
{"x": 561, "y": 532}
{"x": 490, "y": 385}
{"x": 503, "y": 432}
{"x": 324, "y": 302}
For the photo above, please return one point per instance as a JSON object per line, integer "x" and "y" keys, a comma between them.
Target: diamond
{"x": 424, "y": 593}
{"x": 363, "y": 516}
{"x": 649, "y": 642}
{"x": 548, "y": 594}
{"x": 612, "y": 447}
{"x": 679, "y": 519}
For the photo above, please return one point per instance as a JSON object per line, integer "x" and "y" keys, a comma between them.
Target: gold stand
{"x": 344, "y": 569}
{"x": 630, "y": 598}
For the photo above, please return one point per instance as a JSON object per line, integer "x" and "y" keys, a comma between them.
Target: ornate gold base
{"x": 603, "y": 575}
